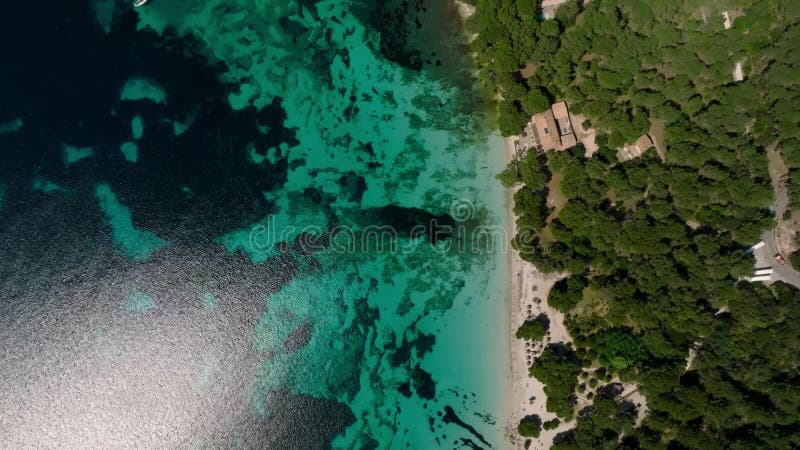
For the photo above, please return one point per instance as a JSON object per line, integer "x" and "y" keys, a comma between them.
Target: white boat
{"x": 140, "y": 2}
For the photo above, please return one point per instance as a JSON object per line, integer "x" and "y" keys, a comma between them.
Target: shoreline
{"x": 465, "y": 10}
{"x": 526, "y": 285}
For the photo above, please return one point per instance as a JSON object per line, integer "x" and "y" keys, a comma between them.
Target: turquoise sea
{"x": 249, "y": 224}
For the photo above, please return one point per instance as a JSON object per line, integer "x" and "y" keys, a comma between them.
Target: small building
{"x": 561, "y": 115}
{"x": 636, "y": 149}
{"x": 761, "y": 278}
{"x": 738, "y": 72}
{"x": 726, "y": 20}
{"x": 553, "y": 128}
{"x": 756, "y": 247}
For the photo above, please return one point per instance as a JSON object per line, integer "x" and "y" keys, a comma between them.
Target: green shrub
{"x": 534, "y": 330}
{"x": 530, "y": 426}
{"x": 551, "y": 424}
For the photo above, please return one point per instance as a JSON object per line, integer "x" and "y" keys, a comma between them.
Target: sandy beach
{"x": 528, "y": 290}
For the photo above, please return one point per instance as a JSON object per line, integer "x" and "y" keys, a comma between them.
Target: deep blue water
{"x": 64, "y": 337}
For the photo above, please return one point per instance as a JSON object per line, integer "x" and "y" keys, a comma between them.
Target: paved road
{"x": 786, "y": 274}
{"x": 771, "y": 245}
{"x": 780, "y": 204}
{"x": 765, "y": 256}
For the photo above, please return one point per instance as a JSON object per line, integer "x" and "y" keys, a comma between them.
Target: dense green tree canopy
{"x": 534, "y": 330}
{"x": 655, "y": 246}
{"x": 558, "y": 368}
{"x": 530, "y": 426}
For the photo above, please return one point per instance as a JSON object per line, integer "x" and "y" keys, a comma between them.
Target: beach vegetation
{"x": 558, "y": 368}
{"x": 530, "y": 426}
{"x": 551, "y": 424}
{"x": 535, "y": 329}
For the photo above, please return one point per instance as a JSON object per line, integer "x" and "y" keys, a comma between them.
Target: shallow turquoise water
{"x": 46, "y": 186}
{"x": 140, "y": 302}
{"x": 143, "y": 89}
{"x": 73, "y": 154}
{"x": 433, "y": 155}
{"x": 130, "y": 151}
{"x": 137, "y": 127}
{"x": 11, "y": 126}
{"x": 133, "y": 242}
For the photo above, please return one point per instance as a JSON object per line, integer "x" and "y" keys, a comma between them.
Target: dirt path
{"x": 657, "y": 135}
{"x": 778, "y": 171}
{"x": 585, "y": 135}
